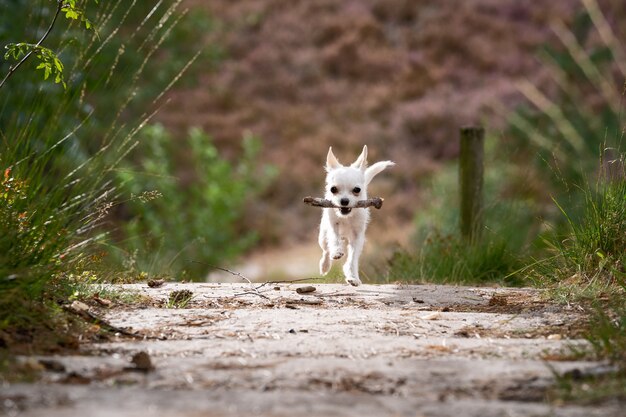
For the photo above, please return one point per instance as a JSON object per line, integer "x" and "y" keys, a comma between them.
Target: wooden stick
{"x": 322, "y": 202}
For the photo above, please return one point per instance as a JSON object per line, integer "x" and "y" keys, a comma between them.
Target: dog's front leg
{"x": 323, "y": 242}
{"x": 334, "y": 238}
{"x": 351, "y": 267}
{"x": 330, "y": 242}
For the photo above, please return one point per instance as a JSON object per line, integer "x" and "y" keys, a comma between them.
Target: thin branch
{"x": 13, "y": 68}
{"x": 255, "y": 292}
{"x": 223, "y": 269}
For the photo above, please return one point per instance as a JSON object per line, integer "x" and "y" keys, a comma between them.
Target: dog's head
{"x": 345, "y": 185}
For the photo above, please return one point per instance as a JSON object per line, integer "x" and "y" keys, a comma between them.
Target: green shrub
{"x": 58, "y": 146}
{"x": 593, "y": 248}
{"x": 192, "y": 225}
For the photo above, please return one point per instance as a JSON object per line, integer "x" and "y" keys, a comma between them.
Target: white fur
{"x": 340, "y": 231}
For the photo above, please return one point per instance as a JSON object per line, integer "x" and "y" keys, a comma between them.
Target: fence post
{"x": 471, "y": 181}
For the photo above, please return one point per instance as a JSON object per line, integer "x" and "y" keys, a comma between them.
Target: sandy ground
{"x": 243, "y": 350}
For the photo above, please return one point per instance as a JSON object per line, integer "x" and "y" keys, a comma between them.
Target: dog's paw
{"x": 355, "y": 282}
{"x": 338, "y": 254}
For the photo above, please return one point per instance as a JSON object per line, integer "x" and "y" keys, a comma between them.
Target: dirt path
{"x": 338, "y": 351}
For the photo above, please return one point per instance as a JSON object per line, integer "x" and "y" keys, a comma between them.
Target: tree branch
{"x": 13, "y": 68}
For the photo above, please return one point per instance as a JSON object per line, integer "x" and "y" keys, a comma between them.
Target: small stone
{"x": 305, "y": 289}
{"x": 142, "y": 361}
{"x": 155, "y": 283}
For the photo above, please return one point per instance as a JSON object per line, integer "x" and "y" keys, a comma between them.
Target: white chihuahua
{"x": 345, "y": 226}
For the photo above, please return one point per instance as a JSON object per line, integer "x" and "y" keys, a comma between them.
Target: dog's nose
{"x": 344, "y": 201}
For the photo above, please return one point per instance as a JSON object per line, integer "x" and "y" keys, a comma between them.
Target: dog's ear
{"x": 375, "y": 169}
{"x": 361, "y": 161}
{"x": 331, "y": 161}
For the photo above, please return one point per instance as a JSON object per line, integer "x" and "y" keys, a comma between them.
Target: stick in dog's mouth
{"x": 376, "y": 202}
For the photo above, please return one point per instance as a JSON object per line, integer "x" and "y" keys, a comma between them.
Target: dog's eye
{"x": 333, "y": 189}
{"x": 356, "y": 190}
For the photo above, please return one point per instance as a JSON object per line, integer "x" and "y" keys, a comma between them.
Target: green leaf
{"x": 58, "y": 64}
{"x": 71, "y": 14}
{"x": 47, "y": 69}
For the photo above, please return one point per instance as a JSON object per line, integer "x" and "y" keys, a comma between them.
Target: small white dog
{"x": 345, "y": 227}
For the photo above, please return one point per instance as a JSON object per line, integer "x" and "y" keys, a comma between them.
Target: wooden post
{"x": 471, "y": 181}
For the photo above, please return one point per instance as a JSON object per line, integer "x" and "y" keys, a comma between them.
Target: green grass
{"x": 449, "y": 259}
{"x": 587, "y": 266}
{"x": 607, "y": 338}
{"x": 439, "y": 254}
{"x": 179, "y": 299}
{"x": 590, "y": 256}
{"x": 56, "y": 158}
{"x": 589, "y": 390}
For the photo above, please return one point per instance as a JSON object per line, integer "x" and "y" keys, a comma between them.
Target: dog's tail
{"x": 376, "y": 169}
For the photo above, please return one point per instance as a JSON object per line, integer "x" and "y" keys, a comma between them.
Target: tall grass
{"x": 585, "y": 253}
{"x": 590, "y": 254}
{"x": 597, "y": 243}
{"x": 568, "y": 129}
{"x": 440, "y": 254}
{"x": 552, "y": 146}
{"x": 57, "y": 184}
{"x": 588, "y": 267}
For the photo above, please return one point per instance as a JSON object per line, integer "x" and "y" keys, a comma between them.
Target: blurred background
{"x": 197, "y": 127}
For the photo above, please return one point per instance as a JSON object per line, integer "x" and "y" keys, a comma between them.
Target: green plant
{"x": 195, "y": 224}
{"x": 49, "y": 61}
{"x": 569, "y": 129}
{"x": 179, "y": 299}
{"x": 56, "y": 161}
{"x": 439, "y": 253}
{"x": 451, "y": 259}
{"x": 587, "y": 266}
{"x": 592, "y": 252}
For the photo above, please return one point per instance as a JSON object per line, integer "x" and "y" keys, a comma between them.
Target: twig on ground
{"x": 289, "y": 281}
{"x": 254, "y": 291}
{"x": 376, "y": 202}
{"x": 304, "y": 302}
{"x": 82, "y": 310}
{"x": 238, "y": 274}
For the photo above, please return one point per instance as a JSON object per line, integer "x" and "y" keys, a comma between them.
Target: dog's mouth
{"x": 345, "y": 210}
